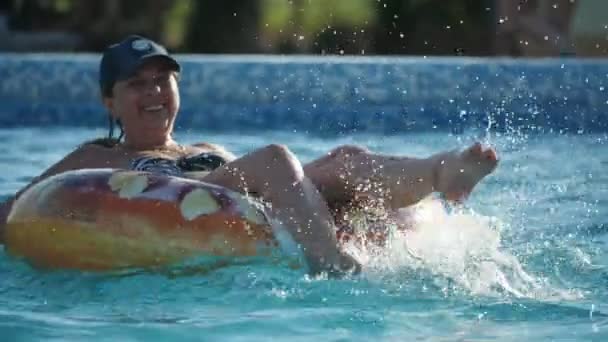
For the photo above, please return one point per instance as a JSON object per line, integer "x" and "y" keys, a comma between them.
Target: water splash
{"x": 461, "y": 250}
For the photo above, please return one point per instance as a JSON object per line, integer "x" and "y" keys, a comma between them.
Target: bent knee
{"x": 279, "y": 152}
{"x": 348, "y": 150}
{"x": 280, "y": 157}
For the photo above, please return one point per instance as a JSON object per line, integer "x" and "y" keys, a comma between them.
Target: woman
{"x": 139, "y": 85}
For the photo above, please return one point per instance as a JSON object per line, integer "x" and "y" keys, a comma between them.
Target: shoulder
{"x": 103, "y": 142}
{"x": 93, "y": 151}
{"x": 208, "y": 146}
{"x": 87, "y": 156}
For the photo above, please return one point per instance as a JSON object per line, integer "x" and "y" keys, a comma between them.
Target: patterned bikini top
{"x": 202, "y": 162}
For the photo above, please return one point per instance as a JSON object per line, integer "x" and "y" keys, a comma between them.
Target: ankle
{"x": 438, "y": 163}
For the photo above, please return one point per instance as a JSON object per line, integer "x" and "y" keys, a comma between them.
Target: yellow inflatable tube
{"x": 103, "y": 219}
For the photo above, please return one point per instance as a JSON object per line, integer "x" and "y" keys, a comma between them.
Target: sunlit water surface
{"x": 524, "y": 260}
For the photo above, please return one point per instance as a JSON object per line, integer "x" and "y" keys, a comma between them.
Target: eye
{"x": 137, "y": 83}
{"x": 163, "y": 79}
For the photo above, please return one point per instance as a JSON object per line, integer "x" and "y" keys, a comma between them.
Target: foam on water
{"x": 462, "y": 252}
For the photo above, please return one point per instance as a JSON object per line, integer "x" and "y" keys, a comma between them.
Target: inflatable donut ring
{"x": 104, "y": 219}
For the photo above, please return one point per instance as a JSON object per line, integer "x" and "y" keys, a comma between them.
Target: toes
{"x": 463, "y": 171}
{"x": 490, "y": 155}
{"x": 475, "y": 150}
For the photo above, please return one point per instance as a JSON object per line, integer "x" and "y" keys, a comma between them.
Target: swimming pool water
{"x": 525, "y": 260}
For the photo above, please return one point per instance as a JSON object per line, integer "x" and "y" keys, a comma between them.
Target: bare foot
{"x": 457, "y": 173}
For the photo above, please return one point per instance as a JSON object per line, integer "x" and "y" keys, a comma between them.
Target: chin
{"x": 157, "y": 127}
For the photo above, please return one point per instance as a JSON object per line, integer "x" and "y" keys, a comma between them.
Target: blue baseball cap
{"x": 120, "y": 61}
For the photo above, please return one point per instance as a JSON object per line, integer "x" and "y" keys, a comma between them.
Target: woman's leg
{"x": 350, "y": 174}
{"x": 276, "y": 175}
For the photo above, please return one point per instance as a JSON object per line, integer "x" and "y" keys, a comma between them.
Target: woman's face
{"x": 146, "y": 104}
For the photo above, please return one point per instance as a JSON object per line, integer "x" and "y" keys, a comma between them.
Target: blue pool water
{"x": 525, "y": 260}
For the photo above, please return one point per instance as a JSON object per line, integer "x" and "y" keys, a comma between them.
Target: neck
{"x": 149, "y": 145}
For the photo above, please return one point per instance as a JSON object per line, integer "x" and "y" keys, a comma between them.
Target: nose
{"x": 153, "y": 88}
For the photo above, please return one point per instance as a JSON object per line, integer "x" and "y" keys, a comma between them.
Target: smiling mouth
{"x": 153, "y": 109}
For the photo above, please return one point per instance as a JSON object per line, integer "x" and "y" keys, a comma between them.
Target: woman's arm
{"x": 86, "y": 156}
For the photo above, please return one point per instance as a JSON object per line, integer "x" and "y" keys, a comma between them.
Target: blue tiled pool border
{"x": 328, "y": 95}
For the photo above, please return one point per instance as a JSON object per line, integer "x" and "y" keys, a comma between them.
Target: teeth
{"x": 153, "y": 108}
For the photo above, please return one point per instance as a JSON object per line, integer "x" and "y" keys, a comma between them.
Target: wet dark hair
{"x": 110, "y": 141}
{"x": 116, "y": 122}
